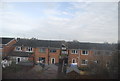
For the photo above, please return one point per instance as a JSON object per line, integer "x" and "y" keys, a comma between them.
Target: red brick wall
{"x": 8, "y": 48}
{"x": 45, "y": 55}
{"x": 72, "y": 56}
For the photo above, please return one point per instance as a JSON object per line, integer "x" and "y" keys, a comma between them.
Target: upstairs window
{"x": 52, "y": 50}
{"x": 29, "y": 49}
{"x": 84, "y": 62}
{"x": 1, "y": 47}
{"x": 84, "y": 52}
{"x": 18, "y": 48}
{"x": 42, "y": 50}
{"x": 74, "y": 51}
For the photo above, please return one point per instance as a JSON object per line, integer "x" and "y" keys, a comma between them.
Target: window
{"x": 29, "y": 49}
{"x": 19, "y": 48}
{"x": 96, "y": 61}
{"x": 64, "y": 52}
{"x": 52, "y": 50}
{"x": 1, "y": 47}
{"x": 74, "y": 51}
{"x": 84, "y": 52}
{"x": 84, "y": 62}
{"x": 42, "y": 50}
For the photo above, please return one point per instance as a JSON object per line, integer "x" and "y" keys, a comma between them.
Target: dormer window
{"x": 84, "y": 52}
{"x": 74, "y": 52}
{"x": 28, "y": 49}
{"x": 18, "y": 48}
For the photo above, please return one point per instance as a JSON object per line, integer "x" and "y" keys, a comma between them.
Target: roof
{"x": 4, "y": 40}
{"x": 97, "y": 46}
{"x": 70, "y": 69}
{"x": 69, "y": 45}
{"x": 21, "y": 54}
{"x": 39, "y": 43}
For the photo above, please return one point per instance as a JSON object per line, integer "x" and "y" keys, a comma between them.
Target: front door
{"x": 18, "y": 59}
{"x": 52, "y": 60}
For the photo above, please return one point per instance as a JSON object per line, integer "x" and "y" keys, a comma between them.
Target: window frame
{"x": 41, "y": 50}
{"x": 29, "y": 48}
{"x": 52, "y": 51}
{"x": 75, "y": 51}
{"x": 85, "y": 52}
{"x": 86, "y": 62}
{"x": 18, "y": 47}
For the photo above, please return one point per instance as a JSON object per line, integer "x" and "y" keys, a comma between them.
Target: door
{"x": 73, "y": 60}
{"x": 18, "y": 59}
{"x": 52, "y": 60}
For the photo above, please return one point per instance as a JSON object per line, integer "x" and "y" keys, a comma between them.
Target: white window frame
{"x": 74, "y": 59}
{"x": 42, "y": 50}
{"x": 85, "y": 62}
{"x": 29, "y": 48}
{"x": 76, "y": 51}
{"x": 1, "y": 47}
{"x": 18, "y": 47}
{"x": 96, "y": 61}
{"x": 85, "y": 52}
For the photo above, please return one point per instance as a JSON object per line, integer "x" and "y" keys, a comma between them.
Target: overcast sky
{"x": 83, "y": 21}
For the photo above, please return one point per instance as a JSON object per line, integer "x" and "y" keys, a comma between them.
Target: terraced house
{"x": 51, "y": 52}
{"x": 37, "y": 50}
{"x": 6, "y": 45}
{"x": 88, "y": 54}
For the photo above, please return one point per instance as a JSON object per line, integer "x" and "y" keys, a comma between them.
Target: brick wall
{"x": 39, "y": 54}
{"x": 8, "y": 48}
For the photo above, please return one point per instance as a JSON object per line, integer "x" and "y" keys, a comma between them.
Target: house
{"x": 46, "y": 51}
{"x": 82, "y": 54}
{"x": 85, "y": 54}
{"x": 6, "y": 45}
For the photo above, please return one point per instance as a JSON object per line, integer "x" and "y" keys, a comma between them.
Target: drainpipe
{"x": 79, "y": 58}
{"x": 48, "y": 55}
{"x": 62, "y": 65}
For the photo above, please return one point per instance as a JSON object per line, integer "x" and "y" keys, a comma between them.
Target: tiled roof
{"x": 70, "y": 69}
{"x": 4, "y": 40}
{"x": 83, "y": 45}
{"x": 39, "y": 43}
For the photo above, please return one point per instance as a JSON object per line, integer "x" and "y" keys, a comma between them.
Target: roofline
{"x": 9, "y": 41}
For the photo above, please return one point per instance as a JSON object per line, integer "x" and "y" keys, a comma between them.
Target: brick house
{"x": 37, "y": 50}
{"x": 51, "y": 52}
{"x": 6, "y": 46}
{"x": 85, "y": 54}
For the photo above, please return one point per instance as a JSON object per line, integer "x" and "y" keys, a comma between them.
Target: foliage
{"x": 84, "y": 68}
{"x": 13, "y": 68}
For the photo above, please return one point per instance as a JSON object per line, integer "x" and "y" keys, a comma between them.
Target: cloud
{"x": 94, "y": 22}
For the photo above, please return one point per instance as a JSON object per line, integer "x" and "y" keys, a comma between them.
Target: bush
{"x": 83, "y": 68}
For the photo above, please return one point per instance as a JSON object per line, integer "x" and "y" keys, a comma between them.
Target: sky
{"x": 82, "y": 21}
